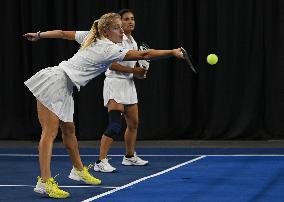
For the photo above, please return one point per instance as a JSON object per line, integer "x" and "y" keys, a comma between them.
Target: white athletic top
{"x": 88, "y": 63}
{"x": 80, "y": 36}
{"x": 127, "y": 43}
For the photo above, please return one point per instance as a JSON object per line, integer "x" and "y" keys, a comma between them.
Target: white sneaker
{"x": 135, "y": 161}
{"x": 104, "y": 166}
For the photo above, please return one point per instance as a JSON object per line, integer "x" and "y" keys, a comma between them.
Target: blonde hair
{"x": 98, "y": 27}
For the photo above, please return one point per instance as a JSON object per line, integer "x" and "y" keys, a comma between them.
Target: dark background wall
{"x": 242, "y": 97}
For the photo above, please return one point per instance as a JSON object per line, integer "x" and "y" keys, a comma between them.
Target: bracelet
{"x": 38, "y": 34}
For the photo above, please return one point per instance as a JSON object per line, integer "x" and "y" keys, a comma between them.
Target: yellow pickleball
{"x": 212, "y": 59}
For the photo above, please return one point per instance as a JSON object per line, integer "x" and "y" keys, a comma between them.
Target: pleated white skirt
{"x": 53, "y": 88}
{"x": 123, "y": 91}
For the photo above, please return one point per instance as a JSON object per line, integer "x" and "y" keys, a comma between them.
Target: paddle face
{"x": 188, "y": 60}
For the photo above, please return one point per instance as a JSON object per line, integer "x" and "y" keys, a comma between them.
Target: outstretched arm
{"x": 55, "y": 34}
{"x": 152, "y": 54}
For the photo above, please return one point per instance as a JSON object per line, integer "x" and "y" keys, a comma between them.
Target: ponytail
{"x": 92, "y": 36}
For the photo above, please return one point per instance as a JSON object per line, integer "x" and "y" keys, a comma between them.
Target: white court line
{"x": 149, "y": 155}
{"x": 82, "y": 186}
{"x": 248, "y": 155}
{"x": 142, "y": 179}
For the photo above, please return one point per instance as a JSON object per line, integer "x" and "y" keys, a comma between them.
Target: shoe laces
{"x": 52, "y": 182}
{"x": 137, "y": 158}
{"x": 86, "y": 175}
{"x": 87, "y": 168}
{"x": 90, "y": 166}
{"x": 53, "y": 190}
{"x": 106, "y": 161}
{"x": 85, "y": 171}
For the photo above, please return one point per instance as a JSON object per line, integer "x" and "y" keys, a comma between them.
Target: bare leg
{"x": 71, "y": 144}
{"x": 130, "y": 136}
{"x": 49, "y": 123}
{"x": 105, "y": 145}
{"x": 107, "y": 141}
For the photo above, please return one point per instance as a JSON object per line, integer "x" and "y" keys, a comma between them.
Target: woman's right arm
{"x": 55, "y": 34}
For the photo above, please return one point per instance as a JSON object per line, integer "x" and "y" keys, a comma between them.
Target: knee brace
{"x": 114, "y": 124}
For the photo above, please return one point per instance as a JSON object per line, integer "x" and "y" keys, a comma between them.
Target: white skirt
{"x": 123, "y": 91}
{"x": 53, "y": 88}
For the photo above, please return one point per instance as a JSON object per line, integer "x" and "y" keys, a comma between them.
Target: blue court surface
{"x": 174, "y": 174}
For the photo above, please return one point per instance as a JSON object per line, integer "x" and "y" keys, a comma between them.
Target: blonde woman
{"x": 120, "y": 96}
{"x": 53, "y": 88}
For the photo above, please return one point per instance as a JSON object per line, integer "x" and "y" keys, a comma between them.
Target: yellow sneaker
{"x": 84, "y": 175}
{"x": 50, "y": 188}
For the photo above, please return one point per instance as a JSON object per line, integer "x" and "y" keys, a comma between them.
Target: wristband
{"x": 38, "y": 34}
